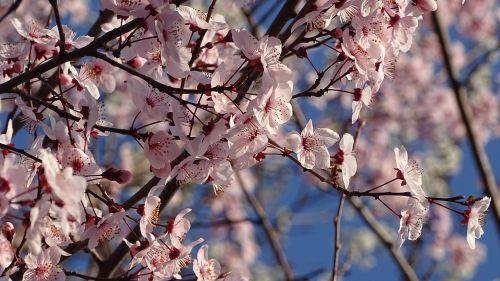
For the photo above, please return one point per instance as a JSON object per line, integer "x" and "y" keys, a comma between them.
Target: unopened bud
{"x": 119, "y": 176}
{"x": 8, "y": 231}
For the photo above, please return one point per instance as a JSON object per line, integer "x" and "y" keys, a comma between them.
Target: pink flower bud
{"x": 8, "y": 231}
{"x": 119, "y": 176}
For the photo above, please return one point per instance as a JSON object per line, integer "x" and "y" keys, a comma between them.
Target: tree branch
{"x": 268, "y": 229}
{"x": 9, "y": 85}
{"x": 480, "y": 156}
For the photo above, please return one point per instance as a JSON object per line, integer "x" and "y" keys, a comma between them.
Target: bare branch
{"x": 268, "y": 229}
{"x": 480, "y": 156}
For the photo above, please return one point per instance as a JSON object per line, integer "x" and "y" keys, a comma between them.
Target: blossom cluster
{"x": 203, "y": 100}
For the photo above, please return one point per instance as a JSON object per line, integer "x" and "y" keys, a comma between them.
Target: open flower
{"x": 206, "y": 269}
{"x": 475, "y": 218}
{"x": 412, "y": 220}
{"x": 178, "y": 227}
{"x": 312, "y": 145}
{"x": 360, "y": 97}
{"x": 151, "y": 211}
{"x": 108, "y": 228}
{"x": 273, "y": 107}
{"x": 265, "y": 52}
{"x": 409, "y": 173}
{"x": 44, "y": 266}
{"x": 345, "y": 159}
{"x": 160, "y": 149}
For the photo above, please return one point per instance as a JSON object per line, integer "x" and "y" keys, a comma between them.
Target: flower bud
{"x": 8, "y": 231}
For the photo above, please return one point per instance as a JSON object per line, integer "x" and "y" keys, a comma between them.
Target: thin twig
{"x": 62, "y": 36}
{"x": 385, "y": 238}
{"x": 480, "y": 156}
{"x": 336, "y": 253}
{"x": 268, "y": 229}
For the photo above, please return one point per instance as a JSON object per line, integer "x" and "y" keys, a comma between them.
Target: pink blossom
{"x": 43, "y": 267}
{"x": 345, "y": 158}
{"x": 312, "y": 145}
{"x": 475, "y": 217}
{"x": 206, "y": 269}
{"x": 412, "y": 220}
{"x": 409, "y": 173}
{"x": 264, "y": 52}
{"x": 160, "y": 149}
{"x": 151, "y": 211}
{"x": 108, "y": 228}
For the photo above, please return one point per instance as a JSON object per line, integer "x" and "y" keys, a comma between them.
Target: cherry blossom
{"x": 412, "y": 220}
{"x": 69, "y": 36}
{"x": 160, "y": 149}
{"x": 273, "y": 108}
{"x": 65, "y": 186}
{"x": 475, "y": 218}
{"x": 31, "y": 30}
{"x": 151, "y": 211}
{"x": 206, "y": 269}
{"x": 100, "y": 132}
{"x": 108, "y": 228}
{"x": 409, "y": 173}
{"x": 345, "y": 158}
{"x": 264, "y": 53}
{"x": 6, "y": 252}
{"x": 361, "y": 96}
{"x": 312, "y": 145}
{"x": 319, "y": 18}
{"x": 43, "y": 266}
{"x": 247, "y": 137}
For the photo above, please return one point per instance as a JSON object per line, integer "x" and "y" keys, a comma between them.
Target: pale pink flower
{"x": 178, "y": 227}
{"x": 273, "y": 108}
{"x": 264, "y": 53}
{"x": 312, "y": 145}
{"x": 361, "y": 96}
{"x": 94, "y": 74}
{"x": 31, "y": 30}
{"x": 206, "y": 269}
{"x": 69, "y": 37}
{"x": 12, "y": 177}
{"x": 107, "y": 229}
{"x": 43, "y": 267}
{"x": 160, "y": 149}
{"x": 475, "y": 218}
{"x": 54, "y": 235}
{"x": 6, "y": 252}
{"x": 198, "y": 19}
{"x": 67, "y": 187}
{"x": 151, "y": 211}
{"x": 193, "y": 169}
{"x": 403, "y": 28}
{"x": 319, "y": 18}
{"x": 247, "y": 137}
{"x": 149, "y": 100}
{"x": 418, "y": 7}
{"x": 365, "y": 53}
{"x": 213, "y": 158}
{"x": 409, "y": 173}
{"x": 80, "y": 161}
{"x": 412, "y": 220}
{"x": 345, "y": 158}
